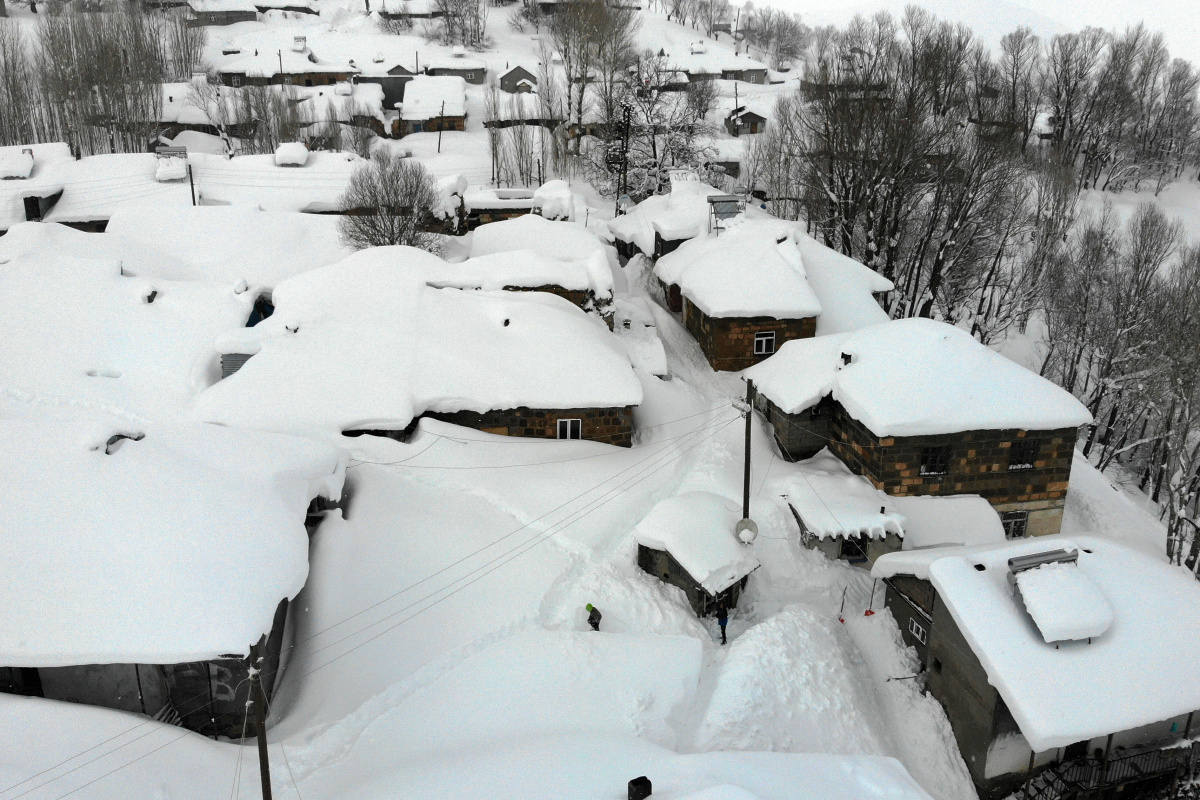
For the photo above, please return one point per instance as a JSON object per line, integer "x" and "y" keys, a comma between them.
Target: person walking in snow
{"x": 593, "y": 617}
{"x": 722, "y": 619}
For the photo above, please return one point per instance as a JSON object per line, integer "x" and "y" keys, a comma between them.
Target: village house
{"x": 919, "y": 407}
{"x": 432, "y": 104}
{"x": 742, "y": 293}
{"x": 391, "y": 75}
{"x": 518, "y": 79}
{"x": 168, "y": 557}
{"x": 25, "y": 194}
{"x": 471, "y": 70}
{"x": 741, "y": 120}
{"x": 409, "y": 9}
{"x": 294, "y": 66}
{"x": 662, "y": 222}
{"x": 702, "y": 65}
{"x": 307, "y": 7}
{"x": 206, "y": 13}
{"x": 1068, "y": 668}
{"x": 523, "y": 364}
{"x": 689, "y": 542}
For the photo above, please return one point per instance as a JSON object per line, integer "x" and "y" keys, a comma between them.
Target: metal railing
{"x": 1090, "y": 776}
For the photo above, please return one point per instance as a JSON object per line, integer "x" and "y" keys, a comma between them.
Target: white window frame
{"x": 567, "y": 424}
{"x": 764, "y": 337}
{"x": 917, "y": 630}
{"x": 236, "y": 80}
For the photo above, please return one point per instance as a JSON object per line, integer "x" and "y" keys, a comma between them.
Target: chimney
{"x": 299, "y": 43}
{"x": 846, "y": 358}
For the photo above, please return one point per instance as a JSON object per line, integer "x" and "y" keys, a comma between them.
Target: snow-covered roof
{"x": 964, "y": 519}
{"x": 565, "y": 241}
{"x": 215, "y": 6}
{"x": 499, "y": 198}
{"x": 454, "y": 61}
{"x": 180, "y": 104}
{"x": 680, "y": 214}
{"x": 1144, "y": 668}
{"x": 76, "y": 329}
{"x": 16, "y": 165}
{"x": 176, "y": 547}
{"x": 257, "y": 181}
{"x": 1064, "y": 603}
{"x": 697, "y": 530}
{"x": 833, "y": 501}
{"x": 291, "y": 154}
{"x": 519, "y": 106}
{"x": 711, "y": 61}
{"x": 845, "y": 288}
{"x": 13, "y": 192}
{"x": 366, "y": 343}
{"x": 752, "y": 269}
{"x": 230, "y": 243}
{"x": 915, "y": 377}
{"x": 267, "y": 63}
{"x": 526, "y": 269}
{"x": 429, "y": 96}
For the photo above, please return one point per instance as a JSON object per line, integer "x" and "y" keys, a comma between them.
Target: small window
{"x": 764, "y": 343}
{"x": 854, "y": 549}
{"x": 917, "y": 630}
{"x": 937, "y": 665}
{"x": 237, "y": 80}
{"x": 935, "y": 460}
{"x": 1022, "y": 454}
{"x": 1016, "y": 524}
{"x": 570, "y": 429}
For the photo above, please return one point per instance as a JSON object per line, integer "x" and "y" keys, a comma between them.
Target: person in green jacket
{"x": 593, "y": 617}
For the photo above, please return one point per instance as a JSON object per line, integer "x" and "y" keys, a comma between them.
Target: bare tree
{"x": 389, "y": 201}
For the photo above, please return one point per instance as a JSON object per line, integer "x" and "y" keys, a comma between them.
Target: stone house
{"x": 295, "y": 66}
{"x": 1056, "y": 662}
{"x": 471, "y": 70}
{"x": 206, "y": 13}
{"x": 920, "y": 408}
{"x": 432, "y": 104}
{"x": 688, "y": 541}
{"x": 139, "y": 525}
{"x": 742, "y": 293}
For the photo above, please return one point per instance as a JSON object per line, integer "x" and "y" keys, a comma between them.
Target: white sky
{"x": 991, "y": 19}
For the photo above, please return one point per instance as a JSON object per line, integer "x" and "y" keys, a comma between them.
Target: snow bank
{"x": 915, "y": 377}
{"x": 227, "y": 244}
{"x": 365, "y": 343}
{"x": 565, "y": 241}
{"x": 697, "y": 530}
{"x": 1064, "y": 604}
{"x": 170, "y": 169}
{"x": 681, "y": 214}
{"x": 1144, "y": 668}
{"x": 291, "y": 154}
{"x": 258, "y": 181}
{"x": 13, "y": 192}
{"x": 833, "y": 501}
{"x": 16, "y": 165}
{"x": 752, "y": 269}
{"x": 844, "y": 287}
{"x": 176, "y": 547}
{"x": 558, "y": 201}
{"x": 791, "y": 683}
{"x": 940, "y": 521}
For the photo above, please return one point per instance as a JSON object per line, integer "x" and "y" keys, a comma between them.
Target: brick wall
{"x": 728, "y": 342}
{"x": 609, "y": 425}
{"x": 801, "y": 435}
{"x": 978, "y": 464}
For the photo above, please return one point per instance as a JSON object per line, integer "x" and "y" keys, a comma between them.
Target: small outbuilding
{"x": 662, "y": 222}
{"x": 1067, "y": 667}
{"x": 689, "y": 542}
{"x": 518, "y": 80}
{"x": 433, "y": 104}
{"x": 741, "y": 120}
{"x": 205, "y": 13}
{"x": 458, "y": 64}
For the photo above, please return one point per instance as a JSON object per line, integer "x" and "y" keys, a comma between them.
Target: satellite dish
{"x": 746, "y": 530}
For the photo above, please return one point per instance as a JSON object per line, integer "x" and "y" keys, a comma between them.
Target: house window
{"x": 570, "y": 429}
{"x": 854, "y": 549}
{"x": 1016, "y": 524}
{"x": 237, "y": 80}
{"x": 917, "y": 630}
{"x": 935, "y": 460}
{"x": 1022, "y": 454}
{"x": 937, "y": 665}
{"x": 764, "y": 343}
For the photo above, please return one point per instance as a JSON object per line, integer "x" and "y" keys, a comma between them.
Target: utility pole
{"x": 749, "y": 423}
{"x": 192, "y": 184}
{"x": 259, "y": 698}
{"x": 280, "y": 54}
{"x": 441, "y": 123}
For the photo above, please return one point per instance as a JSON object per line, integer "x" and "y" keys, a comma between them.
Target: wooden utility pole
{"x": 749, "y": 422}
{"x": 259, "y": 698}
{"x": 191, "y": 182}
{"x": 441, "y": 124}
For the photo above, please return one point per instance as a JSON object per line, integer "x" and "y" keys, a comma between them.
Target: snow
{"x": 208, "y": 6}
{"x": 257, "y": 181}
{"x": 16, "y": 165}
{"x": 1064, "y": 603}
{"x": 1145, "y": 668}
{"x": 640, "y": 337}
{"x": 966, "y": 519}
{"x": 267, "y": 63}
{"x": 107, "y": 561}
{"x": 365, "y": 343}
{"x": 712, "y": 62}
{"x": 481, "y": 197}
{"x": 230, "y": 243}
{"x": 844, "y": 287}
{"x": 77, "y": 330}
{"x": 455, "y": 61}
{"x": 565, "y": 241}
{"x": 752, "y": 269}
{"x": 680, "y": 214}
{"x": 13, "y": 192}
{"x": 525, "y": 269}
{"x": 429, "y": 96}
{"x": 291, "y": 154}
{"x": 696, "y": 528}
{"x": 915, "y": 377}
{"x": 171, "y": 169}
{"x": 833, "y": 501}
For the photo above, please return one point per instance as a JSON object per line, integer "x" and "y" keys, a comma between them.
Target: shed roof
{"x": 429, "y": 96}
{"x": 697, "y": 530}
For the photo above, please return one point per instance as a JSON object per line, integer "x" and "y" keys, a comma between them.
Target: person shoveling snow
{"x": 722, "y": 619}
{"x": 593, "y": 617}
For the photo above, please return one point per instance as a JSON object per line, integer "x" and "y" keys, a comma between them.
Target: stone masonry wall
{"x": 728, "y": 342}
{"x": 609, "y": 425}
{"x": 978, "y": 464}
